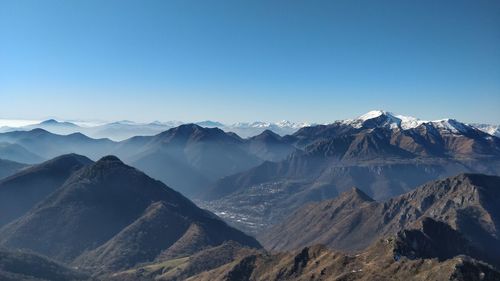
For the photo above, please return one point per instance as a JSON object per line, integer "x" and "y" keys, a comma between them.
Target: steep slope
{"x": 8, "y": 168}
{"x": 264, "y": 194}
{"x": 320, "y": 264}
{"x": 467, "y": 203}
{"x": 269, "y": 146}
{"x": 110, "y": 216}
{"x": 189, "y": 156}
{"x": 381, "y": 154}
{"x": 493, "y": 130}
{"x": 185, "y": 267}
{"x": 17, "y": 153}
{"x": 49, "y": 145}
{"x": 23, "y": 190}
{"x": 19, "y": 265}
{"x": 426, "y": 249}
{"x": 446, "y": 137}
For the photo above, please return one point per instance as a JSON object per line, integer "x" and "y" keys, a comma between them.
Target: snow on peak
{"x": 451, "y": 125}
{"x": 386, "y": 119}
{"x": 493, "y": 130}
{"x": 408, "y": 122}
{"x": 381, "y": 118}
{"x": 373, "y": 114}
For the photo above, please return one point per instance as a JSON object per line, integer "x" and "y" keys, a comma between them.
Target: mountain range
{"x": 381, "y": 154}
{"x": 444, "y": 230}
{"x": 124, "y": 129}
{"x": 121, "y": 130}
{"x": 8, "y": 167}
{"x": 76, "y": 217}
{"x": 253, "y": 182}
{"x": 187, "y": 157}
{"x": 104, "y": 216}
{"x": 466, "y": 207}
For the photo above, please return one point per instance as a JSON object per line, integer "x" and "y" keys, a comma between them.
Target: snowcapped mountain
{"x": 381, "y": 118}
{"x": 385, "y": 119}
{"x": 493, "y": 130}
{"x": 246, "y": 130}
{"x": 120, "y": 130}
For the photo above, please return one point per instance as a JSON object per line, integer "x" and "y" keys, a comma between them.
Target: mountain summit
{"x": 466, "y": 208}
{"x": 109, "y": 216}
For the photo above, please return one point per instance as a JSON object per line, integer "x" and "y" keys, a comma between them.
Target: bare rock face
{"x": 321, "y": 264}
{"x": 382, "y": 155}
{"x": 459, "y": 212}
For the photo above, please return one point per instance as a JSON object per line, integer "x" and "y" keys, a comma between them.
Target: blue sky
{"x": 187, "y": 60}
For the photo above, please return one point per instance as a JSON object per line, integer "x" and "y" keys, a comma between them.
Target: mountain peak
{"x": 190, "y": 126}
{"x": 382, "y": 118}
{"x": 39, "y": 131}
{"x": 451, "y": 125}
{"x": 374, "y": 114}
{"x": 267, "y": 134}
{"x": 110, "y": 159}
{"x": 356, "y": 194}
{"x": 54, "y": 122}
{"x": 209, "y": 123}
{"x": 49, "y": 121}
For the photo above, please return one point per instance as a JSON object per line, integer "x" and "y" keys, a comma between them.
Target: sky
{"x": 315, "y": 61}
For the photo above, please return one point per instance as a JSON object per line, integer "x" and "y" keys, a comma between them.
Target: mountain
{"x": 22, "y": 191}
{"x": 247, "y": 130}
{"x": 466, "y": 205}
{"x": 269, "y": 146}
{"x": 110, "y": 216}
{"x": 8, "y": 168}
{"x": 443, "y": 230}
{"x": 117, "y": 131}
{"x": 380, "y": 153}
{"x": 49, "y": 145}
{"x": 493, "y": 130}
{"x": 380, "y": 262}
{"x": 437, "y": 137}
{"x": 53, "y": 126}
{"x": 123, "y": 130}
{"x": 185, "y": 267}
{"x": 17, "y": 153}
{"x": 18, "y": 265}
{"x": 189, "y": 157}
{"x": 210, "y": 124}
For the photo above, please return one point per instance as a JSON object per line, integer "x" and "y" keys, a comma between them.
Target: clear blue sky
{"x": 249, "y": 60}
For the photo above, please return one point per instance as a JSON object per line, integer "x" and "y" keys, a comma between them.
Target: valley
{"x": 370, "y": 190}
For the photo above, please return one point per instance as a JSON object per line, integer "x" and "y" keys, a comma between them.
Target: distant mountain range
{"x": 490, "y": 129}
{"x": 125, "y": 129}
{"x": 206, "y": 162}
{"x": 188, "y": 157}
{"x": 93, "y": 216}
